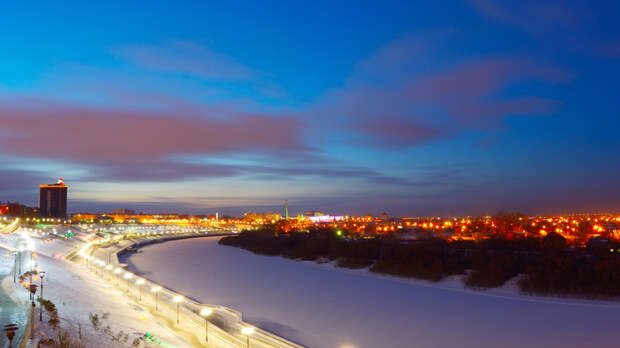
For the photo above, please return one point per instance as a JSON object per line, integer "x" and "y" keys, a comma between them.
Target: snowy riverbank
{"x": 76, "y": 292}
{"x": 322, "y": 306}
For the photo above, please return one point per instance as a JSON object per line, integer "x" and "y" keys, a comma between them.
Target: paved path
{"x": 10, "y": 312}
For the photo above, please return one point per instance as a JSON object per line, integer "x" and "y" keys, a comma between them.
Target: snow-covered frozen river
{"x": 321, "y": 306}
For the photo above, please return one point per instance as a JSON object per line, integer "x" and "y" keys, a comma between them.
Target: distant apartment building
{"x": 314, "y": 213}
{"x": 123, "y": 212}
{"x": 255, "y": 217}
{"x": 53, "y": 200}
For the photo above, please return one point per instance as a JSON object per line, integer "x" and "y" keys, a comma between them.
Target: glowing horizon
{"x": 486, "y": 107}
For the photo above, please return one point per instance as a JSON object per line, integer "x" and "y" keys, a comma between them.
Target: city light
{"x": 155, "y": 290}
{"x": 177, "y": 300}
{"x": 205, "y": 313}
{"x": 247, "y": 330}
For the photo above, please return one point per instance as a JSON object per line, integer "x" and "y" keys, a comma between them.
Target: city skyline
{"x": 465, "y": 108}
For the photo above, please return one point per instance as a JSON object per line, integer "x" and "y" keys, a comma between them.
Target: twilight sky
{"x": 409, "y": 107}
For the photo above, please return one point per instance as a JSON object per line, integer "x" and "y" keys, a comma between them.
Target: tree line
{"x": 545, "y": 266}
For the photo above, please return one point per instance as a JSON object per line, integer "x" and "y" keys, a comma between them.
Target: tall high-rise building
{"x": 53, "y": 200}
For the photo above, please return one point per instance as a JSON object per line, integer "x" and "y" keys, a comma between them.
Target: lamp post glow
{"x": 99, "y": 269}
{"x": 139, "y": 282}
{"x": 33, "y": 290}
{"x": 117, "y": 272}
{"x": 42, "y": 275}
{"x": 127, "y": 276}
{"x": 206, "y": 312}
{"x": 107, "y": 268}
{"x": 247, "y": 331}
{"x": 177, "y": 300}
{"x": 155, "y": 290}
{"x": 102, "y": 266}
{"x": 15, "y": 266}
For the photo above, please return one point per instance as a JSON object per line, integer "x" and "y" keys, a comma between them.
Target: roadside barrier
{"x": 209, "y": 323}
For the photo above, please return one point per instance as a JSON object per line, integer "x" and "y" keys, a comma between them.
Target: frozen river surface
{"x": 321, "y": 306}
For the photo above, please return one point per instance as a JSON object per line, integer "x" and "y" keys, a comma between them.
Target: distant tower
{"x": 286, "y": 209}
{"x": 53, "y": 200}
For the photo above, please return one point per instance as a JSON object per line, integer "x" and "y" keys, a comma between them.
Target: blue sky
{"x": 414, "y": 108}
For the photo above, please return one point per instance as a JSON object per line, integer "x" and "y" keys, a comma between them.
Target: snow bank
{"x": 76, "y": 292}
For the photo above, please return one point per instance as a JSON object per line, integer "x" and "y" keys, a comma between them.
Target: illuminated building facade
{"x": 261, "y": 218}
{"x": 123, "y": 212}
{"x": 326, "y": 218}
{"x": 53, "y": 200}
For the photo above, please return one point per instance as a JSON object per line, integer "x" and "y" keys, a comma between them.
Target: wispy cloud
{"x": 387, "y": 132}
{"x": 21, "y": 185}
{"x": 583, "y": 27}
{"x": 393, "y": 102}
{"x": 125, "y": 145}
{"x": 481, "y": 77}
{"x": 41, "y": 128}
{"x": 609, "y": 49}
{"x": 471, "y": 93}
{"x": 185, "y": 57}
{"x": 532, "y": 16}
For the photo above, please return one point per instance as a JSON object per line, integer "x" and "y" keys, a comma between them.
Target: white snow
{"x": 76, "y": 292}
{"x": 323, "y": 306}
{"x": 318, "y": 305}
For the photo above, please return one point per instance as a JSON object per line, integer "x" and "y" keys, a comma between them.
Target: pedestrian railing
{"x": 223, "y": 324}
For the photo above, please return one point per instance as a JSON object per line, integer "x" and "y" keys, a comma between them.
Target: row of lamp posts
{"x": 204, "y": 312}
{"x": 11, "y": 328}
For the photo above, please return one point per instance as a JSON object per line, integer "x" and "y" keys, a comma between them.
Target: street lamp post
{"x": 155, "y": 290}
{"x": 247, "y": 331}
{"x": 42, "y": 275}
{"x": 139, "y": 282}
{"x": 101, "y": 264}
{"x": 127, "y": 276}
{"x": 177, "y": 300}
{"x": 15, "y": 266}
{"x": 107, "y": 268}
{"x": 33, "y": 290}
{"x": 206, "y": 312}
{"x": 118, "y": 276}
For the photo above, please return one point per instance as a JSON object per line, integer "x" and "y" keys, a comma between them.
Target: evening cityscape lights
{"x": 316, "y": 174}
